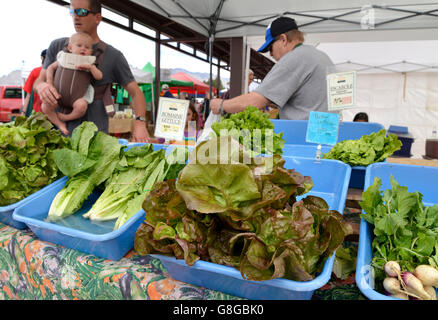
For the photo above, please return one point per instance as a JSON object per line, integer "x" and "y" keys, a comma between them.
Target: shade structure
{"x": 199, "y": 87}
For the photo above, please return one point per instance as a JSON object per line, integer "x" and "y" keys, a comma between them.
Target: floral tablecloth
{"x": 31, "y": 269}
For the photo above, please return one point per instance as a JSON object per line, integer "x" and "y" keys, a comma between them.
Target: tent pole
{"x": 210, "y": 58}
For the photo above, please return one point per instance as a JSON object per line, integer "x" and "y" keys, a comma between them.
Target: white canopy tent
{"x": 391, "y": 45}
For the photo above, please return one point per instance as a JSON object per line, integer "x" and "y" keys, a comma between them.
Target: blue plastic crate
{"x": 416, "y": 178}
{"x": 6, "y": 212}
{"x": 294, "y": 131}
{"x": 330, "y": 179}
{"x": 76, "y": 232}
{"x": 124, "y": 142}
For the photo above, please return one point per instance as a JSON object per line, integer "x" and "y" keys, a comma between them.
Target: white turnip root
{"x": 431, "y": 292}
{"x": 428, "y": 275}
{"x": 392, "y": 285}
{"x": 400, "y": 295}
{"x": 414, "y": 286}
{"x": 392, "y": 269}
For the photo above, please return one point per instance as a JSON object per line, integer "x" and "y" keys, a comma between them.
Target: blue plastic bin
{"x": 294, "y": 131}
{"x": 330, "y": 179}
{"x": 416, "y": 178}
{"x": 6, "y": 213}
{"x": 124, "y": 142}
{"x": 76, "y": 232}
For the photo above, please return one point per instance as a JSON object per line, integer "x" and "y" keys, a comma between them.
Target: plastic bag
{"x": 208, "y": 132}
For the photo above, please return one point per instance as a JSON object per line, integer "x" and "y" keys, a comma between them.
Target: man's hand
{"x": 48, "y": 94}
{"x": 215, "y": 105}
{"x": 140, "y": 133}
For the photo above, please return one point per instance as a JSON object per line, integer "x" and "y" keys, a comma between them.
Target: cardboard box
{"x": 120, "y": 125}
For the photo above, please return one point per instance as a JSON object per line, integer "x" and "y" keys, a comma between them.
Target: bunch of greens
{"x": 242, "y": 126}
{"x": 26, "y": 157}
{"x": 405, "y": 230}
{"x": 375, "y": 147}
{"x": 241, "y": 215}
{"x": 88, "y": 163}
{"x": 134, "y": 176}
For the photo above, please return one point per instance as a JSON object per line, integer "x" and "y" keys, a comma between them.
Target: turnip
{"x": 392, "y": 269}
{"x": 414, "y": 286}
{"x": 400, "y": 295}
{"x": 391, "y": 285}
{"x": 431, "y": 292}
{"x": 428, "y": 275}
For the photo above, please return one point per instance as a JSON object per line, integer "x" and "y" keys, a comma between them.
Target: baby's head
{"x": 81, "y": 43}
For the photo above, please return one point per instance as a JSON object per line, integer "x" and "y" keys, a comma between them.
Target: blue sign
{"x": 323, "y": 128}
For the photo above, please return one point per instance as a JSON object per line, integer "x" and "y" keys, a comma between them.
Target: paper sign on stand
{"x": 171, "y": 118}
{"x": 341, "y": 90}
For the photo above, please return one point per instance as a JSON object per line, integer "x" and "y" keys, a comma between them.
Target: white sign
{"x": 341, "y": 90}
{"x": 171, "y": 118}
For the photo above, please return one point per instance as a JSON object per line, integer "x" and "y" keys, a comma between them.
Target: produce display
{"x": 89, "y": 162}
{"x": 97, "y": 160}
{"x": 26, "y": 157}
{"x": 242, "y": 125}
{"x": 138, "y": 170}
{"x": 242, "y": 215}
{"x": 375, "y": 147}
{"x": 405, "y": 246}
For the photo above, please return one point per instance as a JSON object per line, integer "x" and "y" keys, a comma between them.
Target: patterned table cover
{"x": 31, "y": 269}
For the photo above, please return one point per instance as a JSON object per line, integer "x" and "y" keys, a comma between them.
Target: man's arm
{"x": 239, "y": 103}
{"x": 47, "y": 92}
{"x": 140, "y": 133}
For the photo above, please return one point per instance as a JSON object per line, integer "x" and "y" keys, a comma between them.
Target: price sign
{"x": 171, "y": 118}
{"x": 322, "y": 128}
{"x": 341, "y": 90}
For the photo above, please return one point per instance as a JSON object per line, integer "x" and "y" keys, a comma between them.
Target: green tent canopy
{"x": 148, "y": 88}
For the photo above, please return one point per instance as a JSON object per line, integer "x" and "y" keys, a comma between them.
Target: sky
{"x": 28, "y": 26}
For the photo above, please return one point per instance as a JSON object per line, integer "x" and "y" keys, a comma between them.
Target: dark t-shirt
{"x": 168, "y": 94}
{"x": 115, "y": 69}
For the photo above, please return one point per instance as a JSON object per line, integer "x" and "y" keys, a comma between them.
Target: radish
{"x": 392, "y": 269}
{"x": 428, "y": 275}
{"x": 431, "y": 292}
{"x": 414, "y": 286}
{"x": 392, "y": 285}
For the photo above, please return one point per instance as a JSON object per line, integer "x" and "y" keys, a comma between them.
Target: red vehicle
{"x": 10, "y": 102}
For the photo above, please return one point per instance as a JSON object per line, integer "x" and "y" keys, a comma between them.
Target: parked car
{"x": 10, "y": 102}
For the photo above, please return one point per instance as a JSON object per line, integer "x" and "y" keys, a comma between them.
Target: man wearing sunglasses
{"x": 86, "y": 15}
{"x": 296, "y": 83}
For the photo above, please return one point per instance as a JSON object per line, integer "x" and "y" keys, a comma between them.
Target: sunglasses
{"x": 272, "y": 43}
{"x": 81, "y": 12}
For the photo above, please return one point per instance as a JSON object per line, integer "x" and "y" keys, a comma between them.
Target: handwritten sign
{"x": 322, "y": 128}
{"x": 171, "y": 118}
{"x": 341, "y": 90}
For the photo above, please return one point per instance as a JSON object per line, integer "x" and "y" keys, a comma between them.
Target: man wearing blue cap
{"x": 296, "y": 83}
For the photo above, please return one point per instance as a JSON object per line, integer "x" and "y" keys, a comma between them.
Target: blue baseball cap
{"x": 275, "y": 28}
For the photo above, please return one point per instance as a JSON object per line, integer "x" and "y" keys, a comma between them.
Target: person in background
{"x": 166, "y": 91}
{"x": 226, "y": 95}
{"x": 296, "y": 83}
{"x": 184, "y": 95}
{"x": 86, "y": 17}
{"x": 192, "y": 115}
{"x": 28, "y": 88}
{"x": 206, "y": 106}
{"x": 361, "y": 117}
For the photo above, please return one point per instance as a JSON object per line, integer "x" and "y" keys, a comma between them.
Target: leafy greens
{"x": 405, "y": 230}
{"x": 375, "y": 147}
{"x": 242, "y": 126}
{"x": 26, "y": 157}
{"x": 241, "y": 215}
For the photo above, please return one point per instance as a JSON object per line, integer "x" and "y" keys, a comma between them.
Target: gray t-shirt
{"x": 115, "y": 69}
{"x": 297, "y": 83}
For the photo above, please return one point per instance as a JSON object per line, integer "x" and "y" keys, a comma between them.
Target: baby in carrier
{"x": 72, "y": 80}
